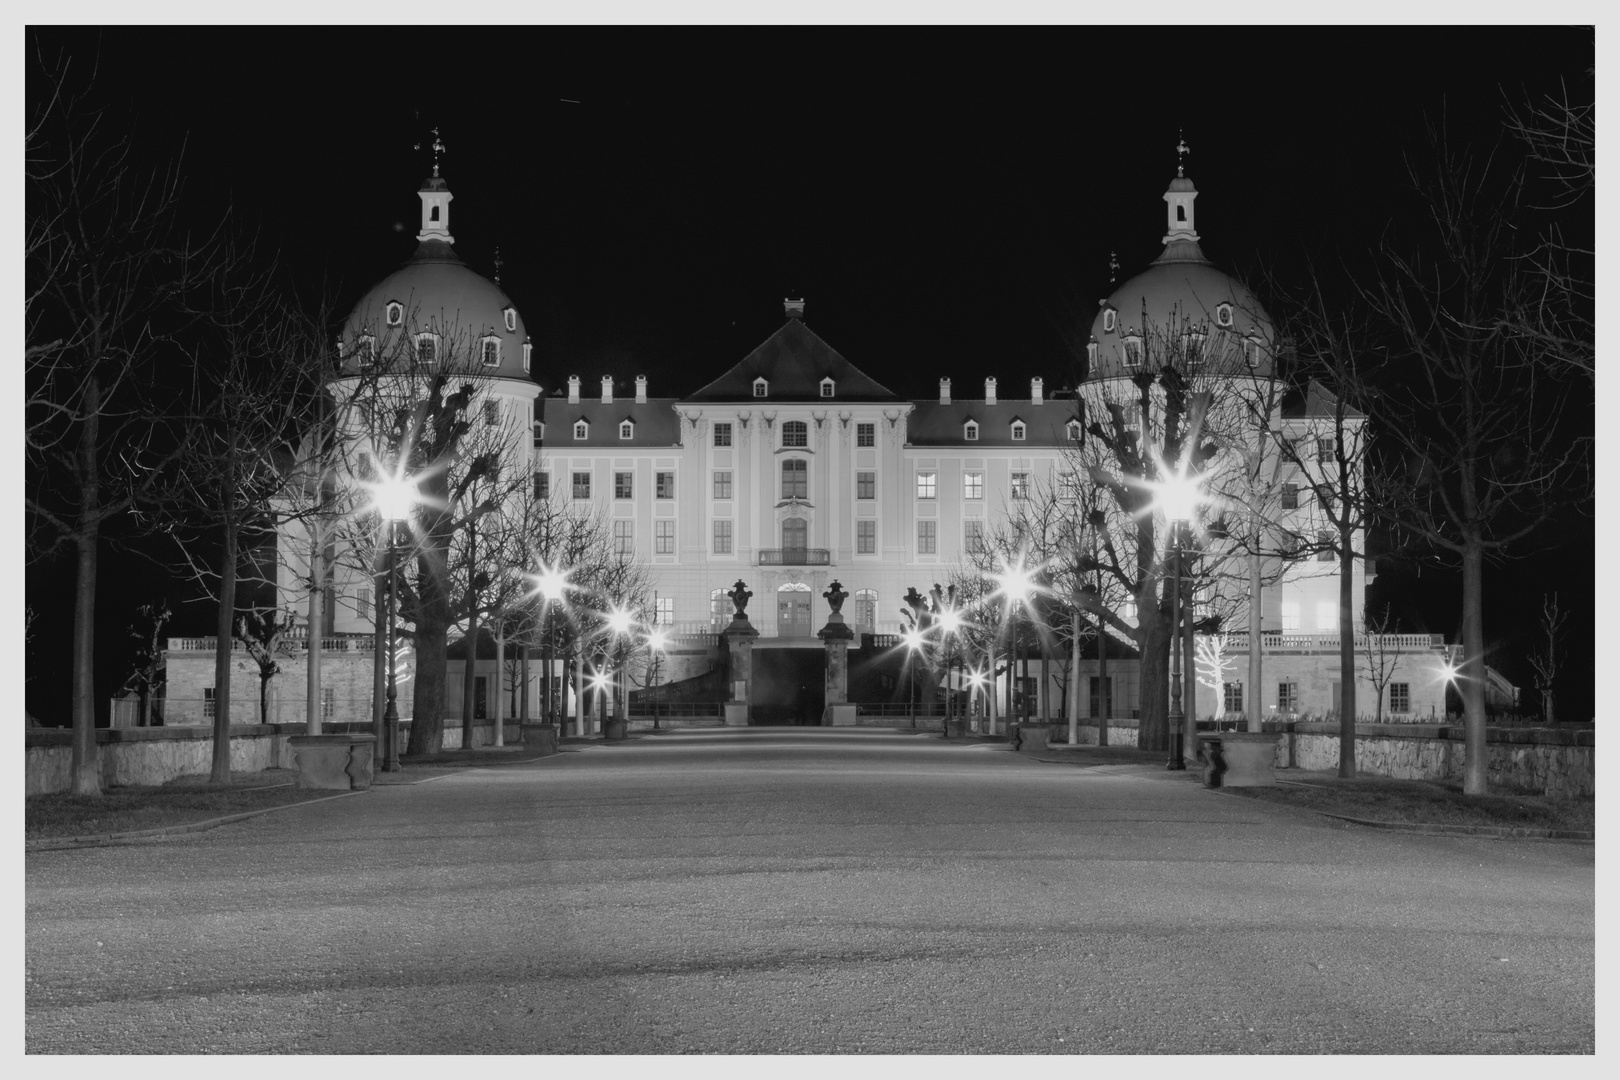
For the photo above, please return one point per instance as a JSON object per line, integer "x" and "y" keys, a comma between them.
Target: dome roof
{"x": 1188, "y": 303}
{"x": 436, "y": 293}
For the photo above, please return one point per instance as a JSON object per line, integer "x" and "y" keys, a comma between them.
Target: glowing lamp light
{"x": 394, "y": 496}
{"x": 618, "y": 621}
{"x": 949, "y": 621}
{"x": 599, "y": 681}
{"x": 657, "y": 639}
{"x": 976, "y": 678}
{"x": 551, "y": 582}
{"x": 1015, "y": 583}
{"x": 1178, "y": 496}
{"x": 913, "y": 639}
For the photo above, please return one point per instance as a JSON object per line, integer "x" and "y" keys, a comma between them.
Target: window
{"x": 826, "y": 387}
{"x": 582, "y": 485}
{"x": 1020, "y": 485}
{"x": 761, "y": 387}
{"x": 865, "y": 434}
{"x": 1290, "y": 545}
{"x": 1192, "y": 348}
{"x": 1072, "y": 430}
{"x": 973, "y": 535}
{"x": 1232, "y": 697}
{"x": 1223, "y": 315}
{"x": 719, "y": 610}
{"x": 866, "y": 608}
{"x": 1324, "y": 450}
{"x": 396, "y": 313}
{"x": 1133, "y": 352}
{"x": 1127, "y": 611}
{"x": 366, "y": 350}
{"x": 1324, "y": 541}
{"x": 664, "y": 485}
{"x": 795, "y": 479}
{"x": 582, "y": 430}
{"x": 722, "y": 434}
{"x": 866, "y": 538}
{"x": 492, "y": 414}
{"x": 1068, "y": 485}
{"x": 722, "y": 537}
{"x": 866, "y": 485}
{"x": 795, "y": 433}
{"x": 664, "y": 536}
{"x": 1400, "y": 697}
{"x": 1287, "y": 697}
{"x": 509, "y": 316}
{"x": 1290, "y": 496}
{"x": 1251, "y": 352}
{"x": 795, "y": 534}
{"x": 623, "y": 485}
{"x": 1290, "y": 617}
{"x": 627, "y": 429}
{"x": 664, "y": 611}
{"x": 1018, "y": 431}
{"x": 208, "y": 703}
{"x": 624, "y": 537}
{"x": 542, "y": 486}
{"x": 1110, "y": 320}
{"x": 973, "y": 485}
{"x": 970, "y": 431}
{"x": 722, "y": 484}
{"x": 490, "y": 351}
{"x": 427, "y": 348}
{"x": 926, "y": 484}
{"x": 1327, "y": 615}
{"x": 539, "y": 435}
{"x": 328, "y": 702}
{"x": 927, "y": 537}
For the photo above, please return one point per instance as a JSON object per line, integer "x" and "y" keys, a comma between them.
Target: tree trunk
{"x": 432, "y": 636}
{"x": 1189, "y": 663}
{"x": 264, "y": 699}
{"x": 1153, "y": 639}
{"x": 1256, "y": 708}
{"x": 381, "y": 580}
{"x": 1104, "y": 699}
{"x": 1072, "y": 684}
{"x": 86, "y": 770}
{"x": 469, "y": 672}
{"x": 1471, "y": 679}
{"x": 500, "y": 679}
{"x": 1347, "y": 658}
{"x": 312, "y": 682}
{"x": 220, "y": 772}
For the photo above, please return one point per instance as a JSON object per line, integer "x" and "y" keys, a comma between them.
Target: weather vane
{"x": 438, "y": 148}
{"x": 1113, "y": 266}
{"x": 1181, "y": 152}
{"x": 497, "y": 265}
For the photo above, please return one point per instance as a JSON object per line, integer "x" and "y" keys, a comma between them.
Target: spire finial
{"x": 1181, "y": 152}
{"x": 437, "y": 147}
{"x": 497, "y": 264}
{"x": 1113, "y": 267}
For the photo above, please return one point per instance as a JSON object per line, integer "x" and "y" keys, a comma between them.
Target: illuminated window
{"x": 720, "y": 607}
{"x": 970, "y": 431}
{"x": 1290, "y": 617}
{"x": 973, "y": 485}
{"x": 623, "y": 487}
{"x": 664, "y": 485}
{"x": 926, "y": 483}
{"x": 491, "y": 351}
{"x": 1327, "y": 615}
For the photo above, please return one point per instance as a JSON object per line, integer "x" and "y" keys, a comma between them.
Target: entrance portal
{"x": 789, "y": 686}
{"x": 793, "y": 611}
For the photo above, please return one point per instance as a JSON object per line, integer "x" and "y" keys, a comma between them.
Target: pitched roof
{"x": 933, "y": 424}
{"x": 657, "y": 423}
{"x": 1316, "y": 401}
{"x": 794, "y": 360}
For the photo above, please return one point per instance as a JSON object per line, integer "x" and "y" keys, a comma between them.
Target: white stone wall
{"x": 347, "y": 674}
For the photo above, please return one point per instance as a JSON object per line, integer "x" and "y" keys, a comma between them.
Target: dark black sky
{"x": 946, "y": 200}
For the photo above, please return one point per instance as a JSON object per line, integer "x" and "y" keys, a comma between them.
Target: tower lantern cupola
{"x": 1179, "y": 201}
{"x": 436, "y": 198}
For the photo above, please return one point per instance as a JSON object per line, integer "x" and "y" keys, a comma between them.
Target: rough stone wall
{"x": 347, "y": 674}
{"x": 156, "y": 757}
{"x": 1551, "y": 765}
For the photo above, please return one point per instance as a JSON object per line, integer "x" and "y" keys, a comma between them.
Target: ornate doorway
{"x": 793, "y": 611}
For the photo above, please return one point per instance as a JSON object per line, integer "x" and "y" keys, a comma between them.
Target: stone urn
{"x": 340, "y": 762}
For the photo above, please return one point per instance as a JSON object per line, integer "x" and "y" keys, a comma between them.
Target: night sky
{"x": 945, "y": 200}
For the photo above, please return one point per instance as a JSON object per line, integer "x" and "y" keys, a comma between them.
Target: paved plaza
{"x": 808, "y": 891}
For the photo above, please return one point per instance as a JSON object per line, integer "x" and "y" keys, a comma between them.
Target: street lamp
{"x": 1177, "y": 496}
{"x": 619, "y": 621}
{"x": 394, "y": 496}
{"x": 551, "y": 582}
{"x": 949, "y": 620}
{"x": 1016, "y": 583}
{"x": 976, "y": 682}
{"x": 656, "y": 640}
{"x": 913, "y": 640}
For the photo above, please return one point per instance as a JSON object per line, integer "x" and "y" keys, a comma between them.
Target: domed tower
{"x": 1181, "y": 309}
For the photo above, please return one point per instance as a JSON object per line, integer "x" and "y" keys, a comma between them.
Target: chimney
{"x": 1037, "y": 392}
{"x": 794, "y": 308}
{"x": 944, "y": 391}
{"x": 641, "y": 389}
{"x": 573, "y": 389}
{"x": 607, "y": 389}
{"x": 990, "y": 390}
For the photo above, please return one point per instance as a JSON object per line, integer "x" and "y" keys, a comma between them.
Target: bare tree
{"x": 1379, "y": 658}
{"x": 1545, "y": 660}
{"x": 147, "y": 664}
{"x": 106, "y": 260}
{"x": 263, "y": 634}
{"x": 1481, "y": 422}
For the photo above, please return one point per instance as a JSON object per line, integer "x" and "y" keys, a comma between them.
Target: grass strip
{"x": 1384, "y": 800}
{"x": 183, "y": 801}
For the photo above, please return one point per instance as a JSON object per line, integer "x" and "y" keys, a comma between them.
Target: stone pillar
{"x": 739, "y": 641}
{"x": 837, "y": 711}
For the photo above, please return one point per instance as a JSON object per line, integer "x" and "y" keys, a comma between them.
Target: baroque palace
{"x": 793, "y": 468}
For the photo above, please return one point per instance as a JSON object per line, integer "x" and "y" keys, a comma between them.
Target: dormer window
{"x": 490, "y": 351}
{"x": 1133, "y": 352}
{"x": 582, "y": 430}
{"x": 761, "y": 387}
{"x": 395, "y": 313}
{"x": 827, "y": 387}
{"x": 1192, "y": 347}
{"x": 1110, "y": 320}
{"x": 527, "y": 351}
{"x": 539, "y": 434}
{"x": 970, "y": 431}
{"x": 427, "y": 348}
{"x": 510, "y": 315}
{"x": 1091, "y": 353}
{"x": 1072, "y": 430}
{"x": 1223, "y": 315}
{"x": 627, "y": 429}
{"x": 366, "y": 350}
{"x": 1017, "y": 431}
{"x": 1251, "y": 352}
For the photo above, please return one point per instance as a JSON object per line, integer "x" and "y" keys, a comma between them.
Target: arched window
{"x": 795, "y": 479}
{"x": 427, "y": 348}
{"x": 795, "y": 534}
{"x": 1109, "y": 317}
{"x": 510, "y": 317}
{"x": 970, "y": 431}
{"x": 719, "y": 610}
{"x": 866, "y": 609}
{"x": 491, "y": 350}
{"x": 1018, "y": 431}
{"x": 795, "y": 433}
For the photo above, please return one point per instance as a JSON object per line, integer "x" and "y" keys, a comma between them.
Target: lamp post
{"x": 1015, "y": 583}
{"x": 913, "y": 640}
{"x": 655, "y": 647}
{"x": 949, "y": 620}
{"x": 394, "y": 498}
{"x": 1178, "y": 498}
{"x": 552, "y": 584}
{"x": 619, "y": 621}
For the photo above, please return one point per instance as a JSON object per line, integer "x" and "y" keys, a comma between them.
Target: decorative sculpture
{"x": 835, "y": 597}
{"x": 739, "y": 599}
